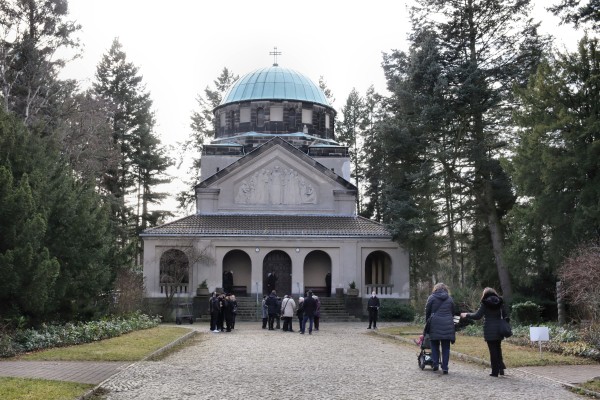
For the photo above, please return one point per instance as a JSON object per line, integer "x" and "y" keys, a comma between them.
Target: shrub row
{"x": 72, "y": 333}
{"x": 566, "y": 340}
{"x": 395, "y": 310}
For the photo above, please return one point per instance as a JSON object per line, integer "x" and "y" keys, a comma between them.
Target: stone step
{"x": 332, "y": 309}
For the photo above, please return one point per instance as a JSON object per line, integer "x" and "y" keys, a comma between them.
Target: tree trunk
{"x": 497, "y": 244}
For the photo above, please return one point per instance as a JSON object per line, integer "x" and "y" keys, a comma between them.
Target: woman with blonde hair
{"x": 493, "y": 309}
{"x": 440, "y": 312}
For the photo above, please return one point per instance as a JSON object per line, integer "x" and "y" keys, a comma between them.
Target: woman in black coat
{"x": 493, "y": 309}
{"x": 440, "y": 308}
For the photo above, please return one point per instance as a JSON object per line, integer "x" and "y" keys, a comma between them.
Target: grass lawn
{"x": 514, "y": 356}
{"x": 35, "y": 389}
{"x": 129, "y": 347}
{"x": 592, "y": 385}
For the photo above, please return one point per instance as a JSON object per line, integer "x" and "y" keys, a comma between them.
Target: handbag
{"x": 427, "y": 326}
{"x": 505, "y": 328}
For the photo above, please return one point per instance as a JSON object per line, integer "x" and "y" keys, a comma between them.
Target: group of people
{"x": 275, "y": 309}
{"x": 440, "y": 311}
{"x": 223, "y": 310}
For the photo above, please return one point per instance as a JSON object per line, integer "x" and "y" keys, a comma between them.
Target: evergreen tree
{"x": 32, "y": 33}
{"x": 411, "y": 203}
{"x": 486, "y": 47}
{"x": 54, "y": 236}
{"x": 142, "y": 161}
{"x": 349, "y": 134}
{"x": 578, "y": 14}
{"x": 374, "y": 156}
{"x": 326, "y": 91}
{"x": 202, "y": 129}
{"x": 557, "y": 167}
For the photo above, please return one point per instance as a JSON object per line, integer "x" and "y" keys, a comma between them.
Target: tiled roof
{"x": 271, "y": 225}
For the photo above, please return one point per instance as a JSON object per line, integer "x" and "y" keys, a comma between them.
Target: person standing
{"x": 493, "y": 309}
{"x": 310, "y": 306}
{"x": 373, "y": 309}
{"x": 234, "y": 309}
{"x": 300, "y": 312}
{"x": 288, "y": 308}
{"x": 214, "y": 309}
{"x": 228, "y": 281}
{"x": 265, "y": 312}
{"x": 221, "y": 319}
{"x": 440, "y": 308}
{"x": 271, "y": 282}
{"x": 317, "y": 317}
{"x": 272, "y": 308}
{"x": 328, "y": 283}
{"x": 228, "y": 312}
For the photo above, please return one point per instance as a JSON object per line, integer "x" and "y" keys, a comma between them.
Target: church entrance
{"x": 277, "y": 273}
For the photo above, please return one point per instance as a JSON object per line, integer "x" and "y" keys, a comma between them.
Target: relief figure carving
{"x": 276, "y": 186}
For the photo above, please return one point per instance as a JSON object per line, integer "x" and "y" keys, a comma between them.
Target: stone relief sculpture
{"x": 276, "y": 186}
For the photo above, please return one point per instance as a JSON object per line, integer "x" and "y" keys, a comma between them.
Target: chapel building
{"x": 275, "y": 207}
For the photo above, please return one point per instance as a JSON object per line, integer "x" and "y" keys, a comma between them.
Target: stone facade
{"x": 274, "y": 200}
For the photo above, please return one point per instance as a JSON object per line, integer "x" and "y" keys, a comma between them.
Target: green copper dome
{"x": 274, "y": 83}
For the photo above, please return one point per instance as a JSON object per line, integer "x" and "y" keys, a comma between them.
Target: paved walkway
{"x": 70, "y": 371}
{"x": 342, "y": 361}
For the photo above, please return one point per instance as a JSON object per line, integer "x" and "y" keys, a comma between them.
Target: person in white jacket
{"x": 288, "y": 310}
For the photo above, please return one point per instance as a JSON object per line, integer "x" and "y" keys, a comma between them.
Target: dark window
{"x": 232, "y": 120}
{"x": 292, "y": 120}
{"x": 260, "y": 117}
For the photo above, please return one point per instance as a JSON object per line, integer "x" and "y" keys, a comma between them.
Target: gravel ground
{"x": 341, "y": 361}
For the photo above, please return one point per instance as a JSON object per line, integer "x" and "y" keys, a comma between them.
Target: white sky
{"x": 181, "y": 46}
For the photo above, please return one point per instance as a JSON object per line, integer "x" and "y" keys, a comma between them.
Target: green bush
{"x": 396, "y": 310}
{"x": 71, "y": 334}
{"x": 527, "y": 313}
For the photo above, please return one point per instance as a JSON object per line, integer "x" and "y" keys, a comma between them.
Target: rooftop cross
{"x": 275, "y": 53}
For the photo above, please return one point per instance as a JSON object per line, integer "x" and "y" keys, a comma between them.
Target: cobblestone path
{"x": 341, "y": 361}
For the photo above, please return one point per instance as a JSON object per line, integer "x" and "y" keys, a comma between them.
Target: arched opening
{"x": 378, "y": 270}
{"x": 174, "y": 272}
{"x": 237, "y": 271}
{"x": 317, "y": 273}
{"x": 277, "y": 273}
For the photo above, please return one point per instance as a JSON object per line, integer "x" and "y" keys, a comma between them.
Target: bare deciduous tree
{"x": 580, "y": 275}
{"x": 175, "y": 267}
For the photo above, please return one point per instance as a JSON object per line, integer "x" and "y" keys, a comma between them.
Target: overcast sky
{"x": 181, "y": 46}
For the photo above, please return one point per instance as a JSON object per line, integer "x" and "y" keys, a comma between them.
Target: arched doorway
{"x": 277, "y": 273}
{"x": 317, "y": 273}
{"x": 174, "y": 272}
{"x": 378, "y": 270}
{"x": 237, "y": 270}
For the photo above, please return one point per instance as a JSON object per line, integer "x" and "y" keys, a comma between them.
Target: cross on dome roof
{"x": 275, "y": 53}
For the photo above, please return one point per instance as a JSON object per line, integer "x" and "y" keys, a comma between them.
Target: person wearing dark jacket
{"x": 310, "y": 307}
{"x": 272, "y": 308}
{"x": 440, "y": 308}
{"x": 373, "y": 309}
{"x": 214, "y": 309}
{"x": 493, "y": 309}
{"x": 300, "y": 312}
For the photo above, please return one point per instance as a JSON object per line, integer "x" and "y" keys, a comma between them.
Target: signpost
{"x": 539, "y": 334}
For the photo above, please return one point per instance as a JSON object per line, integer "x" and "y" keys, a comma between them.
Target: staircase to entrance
{"x": 332, "y": 310}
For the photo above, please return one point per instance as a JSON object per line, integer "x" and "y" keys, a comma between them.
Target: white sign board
{"x": 539, "y": 333}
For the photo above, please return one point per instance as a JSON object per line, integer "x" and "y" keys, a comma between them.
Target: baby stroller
{"x": 424, "y": 356}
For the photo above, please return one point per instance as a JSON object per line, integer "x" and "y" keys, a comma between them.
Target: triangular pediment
{"x": 276, "y": 177}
